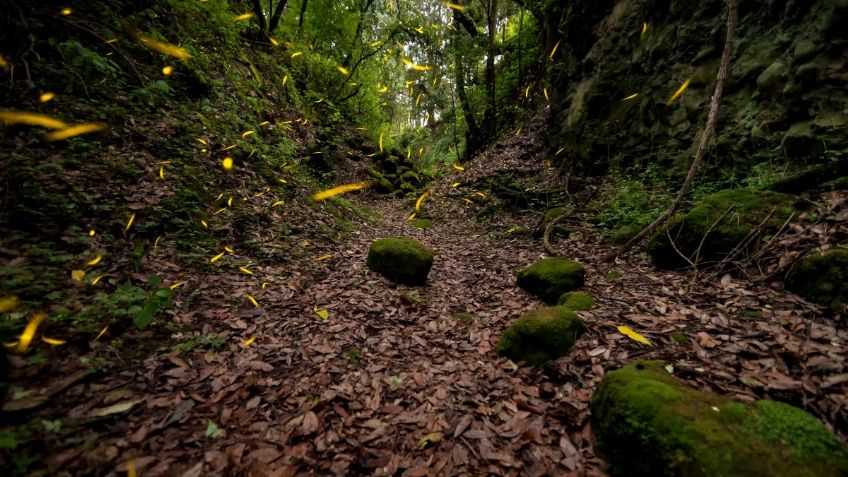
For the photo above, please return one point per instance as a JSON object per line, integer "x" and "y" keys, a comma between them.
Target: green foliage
{"x": 208, "y": 341}
{"x": 130, "y": 301}
{"x": 630, "y": 203}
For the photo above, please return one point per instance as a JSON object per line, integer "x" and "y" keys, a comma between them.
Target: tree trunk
{"x": 278, "y": 13}
{"x": 260, "y": 15}
{"x": 302, "y": 15}
{"x": 490, "y": 118}
{"x": 709, "y": 129}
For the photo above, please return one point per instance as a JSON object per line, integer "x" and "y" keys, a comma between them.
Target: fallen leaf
{"x": 430, "y": 438}
{"x": 628, "y": 332}
{"x": 706, "y": 341}
{"x": 117, "y": 408}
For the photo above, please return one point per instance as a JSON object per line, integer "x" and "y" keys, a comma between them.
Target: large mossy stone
{"x": 539, "y": 336}
{"x": 822, "y": 278}
{"x": 551, "y": 277}
{"x": 403, "y": 260}
{"x": 577, "y": 301}
{"x": 647, "y": 424}
{"x": 719, "y": 223}
{"x": 623, "y": 234}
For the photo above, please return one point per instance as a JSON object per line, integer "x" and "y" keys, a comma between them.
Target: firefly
{"x": 227, "y": 163}
{"x": 167, "y": 70}
{"x": 45, "y": 97}
{"x": 129, "y": 222}
{"x": 679, "y": 92}
{"x": 326, "y": 194}
{"x": 75, "y": 131}
{"x": 553, "y": 51}
{"x": 29, "y": 331}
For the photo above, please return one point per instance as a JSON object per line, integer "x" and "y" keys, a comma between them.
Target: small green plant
{"x": 200, "y": 340}
{"x": 353, "y": 355}
{"x": 135, "y": 302}
{"x": 631, "y": 203}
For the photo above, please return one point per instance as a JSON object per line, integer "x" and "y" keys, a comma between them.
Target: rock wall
{"x": 786, "y": 99}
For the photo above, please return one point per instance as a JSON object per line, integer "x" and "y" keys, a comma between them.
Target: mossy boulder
{"x": 647, "y": 424}
{"x": 403, "y": 260}
{"x": 422, "y": 223}
{"x": 577, "y": 301}
{"x": 822, "y": 278}
{"x": 539, "y": 336}
{"x": 726, "y": 218}
{"x": 549, "y": 278}
{"x": 623, "y": 234}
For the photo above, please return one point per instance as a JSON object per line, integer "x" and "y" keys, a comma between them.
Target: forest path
{"x": 392, "y": 383}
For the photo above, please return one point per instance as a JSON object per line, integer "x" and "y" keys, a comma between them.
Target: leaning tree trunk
{"x": 712, "y": 117}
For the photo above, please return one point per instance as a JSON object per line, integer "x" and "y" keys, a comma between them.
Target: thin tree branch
{"x": 712, "y": 117}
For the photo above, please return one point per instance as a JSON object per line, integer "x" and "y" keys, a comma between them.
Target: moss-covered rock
{"x": 422, "y": 223}
{"x": 541, "y": 335}
{"x": 648, "y": 424}
{"x": 741, "y": 211}
{"x": 822, "y": 278}
{"x": 403, "y": 260}
{"x": 551, "y": 277}
{"x": 623, "y": 234}
{"x": 577, "y": 301}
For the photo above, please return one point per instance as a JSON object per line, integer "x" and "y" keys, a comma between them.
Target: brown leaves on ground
{"x": 392, "y": 384}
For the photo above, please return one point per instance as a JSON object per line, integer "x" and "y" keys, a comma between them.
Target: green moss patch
{"x": 679, "y": 337}
{"x": 549, "y": 278}
{"x": 648, "y": 424}
{"x": 464, "y": 317}
{"x": 403, "y": 260}
{"x": 540, "y": 335}
{"x": 822, "y": 278}
{"x": 422, "y": 223}
{"x": 623, "y": 234}
{"x": 577, "y": 301}
{"x": 726, "y": 218}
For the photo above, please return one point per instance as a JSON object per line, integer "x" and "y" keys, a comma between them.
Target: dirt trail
{"x": 392, "y": 383}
